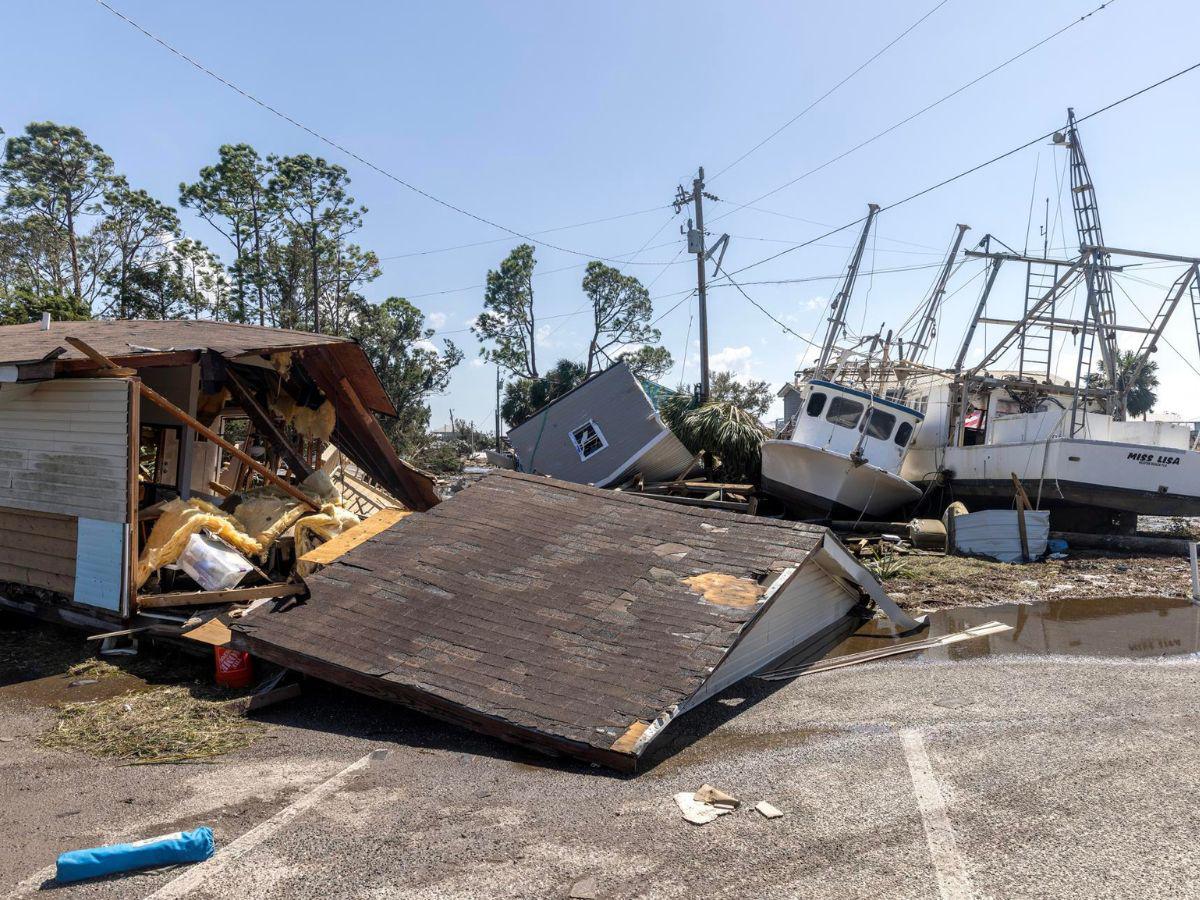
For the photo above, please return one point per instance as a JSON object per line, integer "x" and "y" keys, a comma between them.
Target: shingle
{"x": 536, "y": 606}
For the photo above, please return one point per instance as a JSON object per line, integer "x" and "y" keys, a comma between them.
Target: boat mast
{"x": 1099, "y": 314}
{"x": 837, "y": 319}
{"x": 918, "y": 346}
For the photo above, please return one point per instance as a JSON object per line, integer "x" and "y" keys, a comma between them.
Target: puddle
{"x": 1131, "y": 627}
{"x": 52, "y": 690}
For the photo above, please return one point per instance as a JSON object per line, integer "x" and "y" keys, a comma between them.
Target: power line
{"x": 628, "y": 215}
{"x": 924, "y": 109}
{"x": 973, "y": 169}
{"x": 343, "y": 149}
{"x": 824, "y": 96}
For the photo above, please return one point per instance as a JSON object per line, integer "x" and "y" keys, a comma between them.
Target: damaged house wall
{"x": 64, "y": 487}
{"x": 629, "y": 437}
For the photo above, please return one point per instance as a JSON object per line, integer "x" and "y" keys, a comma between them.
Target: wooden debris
{"x": 716, "y": 797}
{"x": 231, "y": 595}
{"x": 352, "y": 537}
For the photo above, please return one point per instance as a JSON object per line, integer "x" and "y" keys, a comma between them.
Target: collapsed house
{"x": 603, "y": 432}
{"x": 562, "y": 617}
{"x": 113, "y": 454}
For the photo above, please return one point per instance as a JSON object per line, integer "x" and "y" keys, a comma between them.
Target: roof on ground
{"x": 124, "y": 338}
{"x": 542, "y": 611}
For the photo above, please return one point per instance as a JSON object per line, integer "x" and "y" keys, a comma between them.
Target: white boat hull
{"x": 1064, "y": 472}
{"x": 815, "y": 478}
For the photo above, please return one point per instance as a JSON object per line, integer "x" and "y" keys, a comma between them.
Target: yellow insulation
{"x": 178, "y": 522}
{"x": 314, "y": 530}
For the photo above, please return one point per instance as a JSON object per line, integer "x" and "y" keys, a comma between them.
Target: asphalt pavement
{"x": 1002, "y": 776}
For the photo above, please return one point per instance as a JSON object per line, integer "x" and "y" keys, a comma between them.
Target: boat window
{"x": 588, "y": 440}
{"x": 844, "y": 412}
{"x": 878, "y": 424}
{"x": 816, "y": 403}
{"x": 903, "y": 433}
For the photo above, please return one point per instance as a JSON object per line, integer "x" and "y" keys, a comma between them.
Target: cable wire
{"x": 790, "y": 122}
{"x": 923, "y": 110}
{"x": 343, "y": 149}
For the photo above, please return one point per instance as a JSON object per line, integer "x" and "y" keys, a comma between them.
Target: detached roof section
{"x": 553, "y": 614}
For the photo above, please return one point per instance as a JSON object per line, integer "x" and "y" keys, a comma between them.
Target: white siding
{"x": 809, "y": 603}
{"x": 64, "y": 448}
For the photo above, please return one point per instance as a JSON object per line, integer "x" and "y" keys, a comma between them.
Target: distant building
{"x": 603, "y": 432}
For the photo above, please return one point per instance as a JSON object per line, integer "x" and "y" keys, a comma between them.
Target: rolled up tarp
{"x": 181, "y": 847}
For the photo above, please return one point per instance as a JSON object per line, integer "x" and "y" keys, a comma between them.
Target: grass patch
{"x": 887, "y": 565}
{"x": 167, "y": 724}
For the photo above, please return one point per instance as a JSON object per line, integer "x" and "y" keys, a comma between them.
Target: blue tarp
{"x": 180, "y": 847}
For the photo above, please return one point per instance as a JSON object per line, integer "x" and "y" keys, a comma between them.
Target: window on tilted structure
{"x": 588, "y": 440}
{"x": 844, "y": 412}
{"x": 903, "y": 433}
{"x": 878, "y": 424}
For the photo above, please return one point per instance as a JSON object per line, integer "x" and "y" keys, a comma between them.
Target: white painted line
{"x": 33, "y": 882}
{"x": 948, "y": 865}
{"x": 205, "y": 872}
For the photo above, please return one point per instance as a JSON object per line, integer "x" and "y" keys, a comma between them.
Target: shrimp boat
{"x": 842, "y": 448}
{"x": 1070, "y": 440}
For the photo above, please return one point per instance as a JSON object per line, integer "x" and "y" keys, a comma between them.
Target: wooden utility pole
{"x": 695, "y": 244}
{"x": 498, "y": 450}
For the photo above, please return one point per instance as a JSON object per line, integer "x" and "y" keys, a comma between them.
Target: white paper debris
{"x": 771, "y": 812}
{"x": 696, "y": 812}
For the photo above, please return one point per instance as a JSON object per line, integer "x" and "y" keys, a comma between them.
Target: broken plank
{"x": 214, "y": 632}
{"x": 124, "y": 632}
{"x": 697, "y": 501}
{"x": 232, "y": 595}
{"x": 351, "y": 538}
{"x": 263, "y": 699}
{"x": 852, "y": 659}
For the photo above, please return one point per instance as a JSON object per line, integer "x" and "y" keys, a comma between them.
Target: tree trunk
{"x": 72, "y": 245}
{"x": 312, "y": 253}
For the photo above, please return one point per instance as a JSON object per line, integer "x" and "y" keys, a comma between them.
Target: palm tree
{"x": 1142, "y": 395}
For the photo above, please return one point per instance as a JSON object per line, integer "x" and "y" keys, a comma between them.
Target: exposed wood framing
{"x": 266, "y": 425}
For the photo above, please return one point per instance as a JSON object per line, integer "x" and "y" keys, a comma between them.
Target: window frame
{"x": 584, "y": 455}
{"x": 839, "y": 399}
{"x": 907, "y": 438}
{"x": 808, "y": 404}
{"x": 865, "y": 424}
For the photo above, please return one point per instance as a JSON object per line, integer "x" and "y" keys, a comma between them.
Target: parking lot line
{"x": 948, "y": 864}
{"x": 205, "y": 872}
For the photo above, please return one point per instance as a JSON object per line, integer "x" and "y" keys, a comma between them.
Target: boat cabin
{"x": 855, "y": 423}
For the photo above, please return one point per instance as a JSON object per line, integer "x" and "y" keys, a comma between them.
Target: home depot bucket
{"x": 234, "y": 669}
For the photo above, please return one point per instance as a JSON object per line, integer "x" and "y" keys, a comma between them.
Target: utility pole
{"x": 498, "y": 450}
{"x": 695, "y": 239}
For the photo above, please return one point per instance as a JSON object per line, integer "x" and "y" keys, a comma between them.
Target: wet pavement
{"x": 1055, "y": 760}
{"x": 1129, "y": 627}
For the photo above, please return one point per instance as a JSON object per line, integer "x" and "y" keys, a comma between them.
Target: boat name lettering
{"x": 1152, "y": 460}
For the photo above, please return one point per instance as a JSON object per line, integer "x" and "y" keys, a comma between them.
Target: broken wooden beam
{"x": 698, "y": 501}
{"x": 231, "y": 595}
{"x": 266, "y": 426}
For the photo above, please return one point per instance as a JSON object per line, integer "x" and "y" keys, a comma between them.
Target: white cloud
{"x": 738, "y": 360}
{"x": 436, "y": 320}
{"x": 816, "y": 302}
{"x": 427, "y": 345}
{"x": 478, "y": 362}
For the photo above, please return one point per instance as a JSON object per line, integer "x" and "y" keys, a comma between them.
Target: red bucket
{"x": 234, "y": 668}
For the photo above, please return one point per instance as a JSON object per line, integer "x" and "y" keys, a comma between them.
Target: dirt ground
{"x": 938, "y": 582}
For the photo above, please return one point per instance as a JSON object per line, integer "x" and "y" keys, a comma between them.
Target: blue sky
{"x": 540, "y": 115}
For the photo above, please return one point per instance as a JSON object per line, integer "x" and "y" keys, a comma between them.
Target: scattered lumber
{"x": 231, "y": 595}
